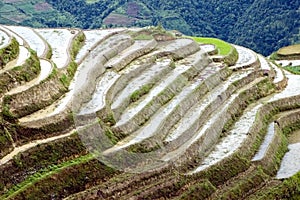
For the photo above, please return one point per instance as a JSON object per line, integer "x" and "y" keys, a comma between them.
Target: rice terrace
{"x": 145, "y": 113}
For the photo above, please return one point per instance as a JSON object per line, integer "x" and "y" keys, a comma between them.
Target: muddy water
{"x": 292, "y": 88}
{"x": 98, "y": 99}
{"x": 290, "y": 164}
{"x": 132, "y": 111}
{"x": 266, "y": 143}
{"x": 158, "y": 119}
{"x": 232, "y": 141}
{"x": 147, "y": 77}
{"x": 60, "y": 40}
{"x": 193, "y": 115}
{"x": 279, "y": 74}
{"x": 246, "y": 56}
{"x": 91, "y": 39}
{"x": 33, "y": 40}
{"x": 17, "y": 37}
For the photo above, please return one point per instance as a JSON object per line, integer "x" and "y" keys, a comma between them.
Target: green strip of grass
{"x": 224, "y": 48}
{"x": 294, "y": 69}
{"x": 42, "y": 174}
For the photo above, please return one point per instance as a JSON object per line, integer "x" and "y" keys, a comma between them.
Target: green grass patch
{"x": 111, "y": 135}
{"x": 223, "y": 47}
{"x": 274, "y": 56}
{"x": 136, "y": 95}
{"x": 200, "y": 190}
{"x": 9, "y": 53}
{"x": 143, "y": 37}
{"x": 77, "y": 43}
{"x": 294, "y": 69}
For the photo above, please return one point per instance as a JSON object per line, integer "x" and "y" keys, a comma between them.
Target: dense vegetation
{"x": 262, "y": 25}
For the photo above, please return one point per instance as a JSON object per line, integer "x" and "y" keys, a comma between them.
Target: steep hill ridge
{"x": 261, "y": 25}
{"x": 143, "y": 113}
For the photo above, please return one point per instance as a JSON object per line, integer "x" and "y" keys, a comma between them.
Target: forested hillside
{"x": 262, "y": 25}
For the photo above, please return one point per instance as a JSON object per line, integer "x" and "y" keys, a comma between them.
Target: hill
{"x": 143, "y": 113}
{"x": 262, "y": 25}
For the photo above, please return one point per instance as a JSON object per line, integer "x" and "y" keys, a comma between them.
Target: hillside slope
{"x": 260, "y": 25}
{"x": 143, "y": 113}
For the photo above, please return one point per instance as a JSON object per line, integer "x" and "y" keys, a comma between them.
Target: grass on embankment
{"x": 294, "y": 70}
{"x": 223, "y": 47}
{"x": 226, "y": 51}
{"x": 42, "y": 175}
{"x": 9, "y": 52}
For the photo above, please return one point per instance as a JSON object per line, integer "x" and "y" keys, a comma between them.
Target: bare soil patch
{"x": 118, "y": 19}
{"x": 133, "y": 9}
{"x": 12, "y": 1}
{"x": 42, "y": 6}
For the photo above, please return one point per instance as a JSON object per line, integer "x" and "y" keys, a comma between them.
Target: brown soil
{"x": 118, "y": 19}
{"x": 294, "y": 137}
{"x": 133, "y": 9}
{"x": 42, "y": 6}
{"x": 12, "y": 1}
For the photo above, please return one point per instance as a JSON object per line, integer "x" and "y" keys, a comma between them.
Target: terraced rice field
{"x": 101, "y": 114}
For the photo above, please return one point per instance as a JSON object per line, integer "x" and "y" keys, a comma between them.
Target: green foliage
{"x": 287, "y": 190}
{"x": 291, "y": 127}
{"x": 232, "y": 57}
{"x": 260, "y": 25}
{"x": 143, "y": 37}
{"x": 111, "y": 135}
{"x": 6, "y": 109}
{"x": 77, "y": 44}
{"x": 64, "y": 79}
{"x": 9, "y": 52}
{"x": 69, "y": 176}
{"x": 223, "y": 47}
{"x": 293, "y": 69}
{"x": 6, "y": 141}
{"x": 237, "y": 191}
{"x": 199, "y": 190}
{"x": 136, "y": 95}
{"x": 67, "y": 76}
{"x": 28, "y": 71}
{"x": 109, "y": 119}
{"x": 44, "y": 173}
{"x": 39, "y": 157}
